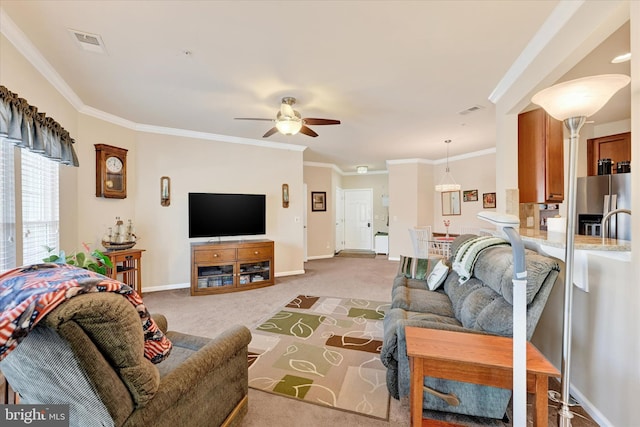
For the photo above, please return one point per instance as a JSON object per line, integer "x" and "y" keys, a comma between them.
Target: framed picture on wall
{"x": 318, "y": 201}
{"x": 488, "y": 200}
{"x": 470, "y": 196}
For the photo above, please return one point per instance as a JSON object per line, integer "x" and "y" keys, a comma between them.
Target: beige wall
{"x": 20, "y": 77}
{"x": 321, "y": 225}
{"x": 96, "y": 214}
{"x": 475, "y": 173}
{"x": 196, "y": 165}
{"x": 404, "y": 199}
{"x": 192, "y": 164}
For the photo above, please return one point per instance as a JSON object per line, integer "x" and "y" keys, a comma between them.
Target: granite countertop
{"x": 587, "y": 243}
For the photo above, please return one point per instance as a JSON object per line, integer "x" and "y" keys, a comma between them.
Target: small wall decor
{"x": 285, "y": 195}
{"x": 488, "y": 200}
{"x": 165, "y": 191}
{"x": 470, "y": 196}
{"x": 450, "y": 203}
{"x": 318, "y": 201}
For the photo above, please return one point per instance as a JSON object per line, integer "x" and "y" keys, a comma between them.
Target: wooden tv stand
{"x": 230, "y": 266}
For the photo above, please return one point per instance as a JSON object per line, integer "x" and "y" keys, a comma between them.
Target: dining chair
{"x": 420, "y": 238}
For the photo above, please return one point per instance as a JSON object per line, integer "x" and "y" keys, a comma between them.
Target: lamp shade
{"x": 289, "y": 125}
{"x": 581, "y": 97}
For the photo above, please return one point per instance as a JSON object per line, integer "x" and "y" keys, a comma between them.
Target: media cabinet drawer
{"x": 214, "y": 255}
{"x": 257, "y": 252}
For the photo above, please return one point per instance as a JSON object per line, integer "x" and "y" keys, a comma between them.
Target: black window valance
{"x": 24, "y": 126}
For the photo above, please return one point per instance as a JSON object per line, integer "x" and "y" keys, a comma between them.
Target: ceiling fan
{"x": 289, "y": 121}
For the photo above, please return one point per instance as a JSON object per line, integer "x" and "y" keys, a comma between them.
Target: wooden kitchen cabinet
{"x": 540, "y": 158}
{"x": 615, "y": 147}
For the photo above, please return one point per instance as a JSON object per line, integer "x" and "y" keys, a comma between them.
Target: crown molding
{"x": 410, "y": 161}
{"x": 108, "y": 117}
{"x": 22, "y": 43}
{"x": 471, "y": 155}
{"x": 324, "y": 165}
{"x": 215, "y": 137}
{"x": 385, "y": 172}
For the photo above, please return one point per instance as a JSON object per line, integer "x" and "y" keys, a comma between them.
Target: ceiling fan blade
{"x": 321, "y": 121}
{"x": 308, "y": 131}
{"x": 252, "y": 118}
{"x": 270, "y": 132}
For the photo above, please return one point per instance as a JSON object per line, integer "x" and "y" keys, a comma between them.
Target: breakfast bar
{"x": 553, "y": 245}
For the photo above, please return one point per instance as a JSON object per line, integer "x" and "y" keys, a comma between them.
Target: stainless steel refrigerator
{"x": 597, "y": 195}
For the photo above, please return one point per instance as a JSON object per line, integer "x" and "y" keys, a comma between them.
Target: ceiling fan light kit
{"x": 447, "y": 183}
{"x": 290, "y": 122}
{"x": 288, "y": 125}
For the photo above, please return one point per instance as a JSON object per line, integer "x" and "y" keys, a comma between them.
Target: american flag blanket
{"x": 29, "y": 293}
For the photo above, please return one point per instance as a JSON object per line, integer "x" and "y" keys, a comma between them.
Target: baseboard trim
{"x": 311, "y": 258}
{"x": 289, "y": 273}
{"x": 165, "y": 287}
{"x": 590, "y": 408}
{"x": 187, "y": 285}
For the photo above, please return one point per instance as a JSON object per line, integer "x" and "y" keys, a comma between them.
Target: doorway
{"x": 339, "y": 219}
{"x": 358, "y": 226}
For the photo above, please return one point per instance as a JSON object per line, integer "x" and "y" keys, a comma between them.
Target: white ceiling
{"x": 396, "y": 73}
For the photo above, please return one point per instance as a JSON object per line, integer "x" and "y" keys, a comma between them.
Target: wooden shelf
{"x": 127, "y": 267}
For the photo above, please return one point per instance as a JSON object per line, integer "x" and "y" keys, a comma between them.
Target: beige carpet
{"x": 209, "y": 315}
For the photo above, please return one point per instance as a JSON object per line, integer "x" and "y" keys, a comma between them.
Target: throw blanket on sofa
{"x": 29, "y": 293}
{"x": 465, "y": 257}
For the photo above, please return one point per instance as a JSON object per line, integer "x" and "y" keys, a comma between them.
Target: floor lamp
{"x": 572, "y": 102}
{"x": 509, "y": 225}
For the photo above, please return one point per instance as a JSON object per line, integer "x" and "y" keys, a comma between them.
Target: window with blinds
{"x": 40, "y": 210}
{"x": 7, "y": 207}
{"x": 35, "y": 189}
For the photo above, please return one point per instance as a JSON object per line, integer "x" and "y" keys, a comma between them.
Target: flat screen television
{"x": 221, "y": 214}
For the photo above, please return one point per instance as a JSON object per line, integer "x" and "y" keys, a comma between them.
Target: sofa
{"x": 88, "y": 352}
{"x": 480, "y": 303}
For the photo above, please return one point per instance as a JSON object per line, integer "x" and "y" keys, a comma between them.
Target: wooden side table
{"x": 128, "y": 265}
{"x": 473, "y": 358}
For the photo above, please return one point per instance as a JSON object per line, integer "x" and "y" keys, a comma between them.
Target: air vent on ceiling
{"x": 88, "y": 41}
{"x": 470, "y": 110}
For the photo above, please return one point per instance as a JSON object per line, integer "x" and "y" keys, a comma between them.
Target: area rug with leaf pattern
{"x": 323, "y": 350}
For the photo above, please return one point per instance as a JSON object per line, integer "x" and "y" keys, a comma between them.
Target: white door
{"x": 339, "y": 219}
{"x": 358, "y": 228}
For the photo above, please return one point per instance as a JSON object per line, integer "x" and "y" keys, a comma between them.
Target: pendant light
{"x": 447, "y": 183}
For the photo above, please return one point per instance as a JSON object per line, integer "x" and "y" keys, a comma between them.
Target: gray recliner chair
{"x": 88, "y": 352}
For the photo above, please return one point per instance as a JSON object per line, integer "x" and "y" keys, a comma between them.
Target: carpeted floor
{"x": 367, "y": 278}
